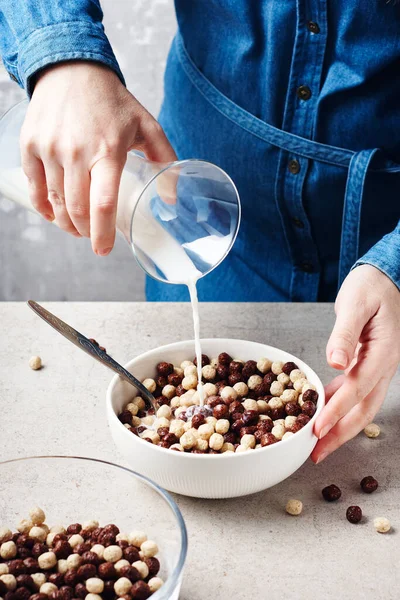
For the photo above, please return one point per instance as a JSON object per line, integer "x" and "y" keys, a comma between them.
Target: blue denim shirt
{"x": 295, "y": 100}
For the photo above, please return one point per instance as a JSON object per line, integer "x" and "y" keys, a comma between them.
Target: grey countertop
{"x": 238, "y": 549}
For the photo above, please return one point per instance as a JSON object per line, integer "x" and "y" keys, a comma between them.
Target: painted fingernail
{"x": 104, "y": 251}
{"x": 321, "y": 457}
{"x": 325, "y": 430}
{"x": 339, "y": 357}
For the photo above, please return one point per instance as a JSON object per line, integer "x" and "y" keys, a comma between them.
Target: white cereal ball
{"x": 94, "y": 585}
{"x": 209, "y": 373}
{"x": 290, "y": 421}
{"x": 164, "y": 411}
{"x": 300, "y": 400}
{"x": 275, "y": 403}
{"x": 38, "y": 579}
{"x": 276, "y": 389}
{"x": 142, "y": 568}
{"x": 37, "y": 515}
{"x": 241, "y": 388}
{"x": 265, "y": 418}
{"x": 201, "y": 444}
{"x": 206, "y": 431}
{"x": 46, "y": 528}
{"x": 168, "y": 391}
{"x": 149, "y": 549}
{"x": 150, "y": 384}
{"x": 250, "y": 404}
{"x": 99, "y": 549}
{"x": 187, "y": 441}
{"x": 222, "y": 426}
{"x": 179, "y": 371}
{"x": 177, "y": 448}
{"x": 241, "y": 448}
{"x": 162, "y": 422}
{"x": 216, "y": 441}
{"x": 136, "y": 538}
{"x": 150, "y": 434}
{"x": 48, "y": 588}
{"x": 248, "y": 441}
{"x": 62, "y": 566}
{"x": 148, "y": 420}
{"x": 93, "y": 597}
{"x": 24, "y": 526}
{"x": 74, "y": 560}
{"x": 189, "y": 383}
{"x": 382, "y": 525}
{"x": 3, "y": 569}
{"x": 289, "y": 396}
{"x": 90, "y": 525}
{"x": 121, "y": 537}
{"x": 190, "y": 370}
{"x": 296, "y": 374}
{"x": 112, "y": 554}
{"x": 120, "y": 564}
{"x": 47, "y": 560}
{"x": 133, "y": 408}
{"x": 228, "y": 392}
{"x": 279, "y": 422}
{"x": 179, "y": 410}
{"x": 264, "y": 365}
{"x": 186, "y": 363}
{"x": 175, "y": 402}
{"x": 372, "y": 430}
{"x": 294, "y": 507}
{"x": 136, "y": 422}
{"x": 75, "y": 540}
{"x": 254, "y": 381}
{"x": 155, "y": 584}
{"x": 227, "y": 447}
{"x": 177, "y": 426}
{"x": 9, "y": 581}
{"x": 8, "y": 550}
{"x": 210, "y": 389}
{"x": 50, "y": 538}
{"x": 35, "y": 363}
{"x": 287, "y": 435}
{"x": 262, "y": 406}
{"x": 214, "y": 362}
{"x": 276, "y": 367}
{"x": 298, "y": 384}
{"x": 308, "y": 386}
{"x": 278, "y": 431}
{"x": 186, "y": 401}
{"x": 5, "y": 535}
{"x": 140, "y": 403}
{"x": 283, "y": 378}
{"x": 211, "y": 421}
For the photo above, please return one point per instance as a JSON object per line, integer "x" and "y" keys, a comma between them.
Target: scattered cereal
{"x": 372, "y": 430}
{"x": 382, "y": 525}
{"x": 354, "y": 514}
{"x": 35, "y": 363}
{"x": 331, "y": 493}
{"x": 369, "y": 484}
{"x": 294, "y": 507}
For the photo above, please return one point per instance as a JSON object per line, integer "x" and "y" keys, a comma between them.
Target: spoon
{"x": 91, "y": 348}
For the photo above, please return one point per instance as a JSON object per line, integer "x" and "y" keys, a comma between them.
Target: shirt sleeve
{"x": 37, "y": 33}
{"x": 385, "y": 256}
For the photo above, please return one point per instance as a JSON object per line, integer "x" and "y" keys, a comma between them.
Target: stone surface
{"x": 241, "y": 548}
{"x": 140, "y": 32}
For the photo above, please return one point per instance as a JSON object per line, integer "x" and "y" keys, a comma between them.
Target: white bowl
{"x": 202, "y": 475}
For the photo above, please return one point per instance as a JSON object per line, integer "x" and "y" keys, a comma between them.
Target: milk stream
{"x": 196, "y": 323}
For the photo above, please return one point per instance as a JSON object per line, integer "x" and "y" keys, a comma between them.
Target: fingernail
{"x": 321, "y": 457}
{"x": 49, "y": 217}
{"x": 104, "y": 251}
{"x": 339, "y": 357}
{"x": 325, "y": 430}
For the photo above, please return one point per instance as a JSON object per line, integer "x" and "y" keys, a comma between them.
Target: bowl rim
{"x": 223, "y": 456}
{"x": 173, "y": 580}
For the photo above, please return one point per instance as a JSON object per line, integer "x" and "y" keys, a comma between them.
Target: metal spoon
{"x": 90, "y": 348}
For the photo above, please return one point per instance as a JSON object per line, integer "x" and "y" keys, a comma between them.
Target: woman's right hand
{"x": 80, "y": 124}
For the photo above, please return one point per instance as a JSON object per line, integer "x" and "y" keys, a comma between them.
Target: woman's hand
{"x": 80, "y": 124}
{"x": 365, "y": 342}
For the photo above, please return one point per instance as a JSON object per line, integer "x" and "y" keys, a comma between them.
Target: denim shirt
{"x": 296, "y": 100}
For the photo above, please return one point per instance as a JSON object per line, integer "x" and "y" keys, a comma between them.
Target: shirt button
{"x": 298, "y": 223}
{"x": 304, "y": 92}
{"x": 306, "y": 267}
{"x": 313, "y": 27}
{"x": 294, "y": 166}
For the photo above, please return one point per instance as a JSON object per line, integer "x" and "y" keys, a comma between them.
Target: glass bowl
{"x": 74, "y": 490}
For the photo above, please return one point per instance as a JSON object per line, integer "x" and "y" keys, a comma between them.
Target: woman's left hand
{"x": 365, "y": 342}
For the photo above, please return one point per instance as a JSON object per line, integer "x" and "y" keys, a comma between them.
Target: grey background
{"x": 39, "y": 261}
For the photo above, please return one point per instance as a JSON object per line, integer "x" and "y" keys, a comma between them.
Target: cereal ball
{"x": 177, "y": 427}
{"x": 186, "y": 363}
{"x": 133, "y": 408}
{"x": 38, "y": 579}
{"x": 148, "y": 420}
{"x": 48, "y": 588}
{"x": 62, "y": 566}
{"x": 120, "y": 564}
{"x": 186, "y": 401}
{"x": 24, "y": 526}
{"x": 354, "y": 514}
{"x": 50, "y": 538}
{"x": 155, "y": 583}
{"x": 150, "y": 384}
{"x": 93, "y": 597}
{"x": 179, "y": 371}
{"x": 276, "y": 388}
{"x": 164, "y": 411}
{"x": 381, "y": 525}
{"x": 149, "y": 549}
{"x": 3, "y": 569}
{"x": 150, "y": 435}
{"x": 283, "y": 378}
{"x": 95, "y": 585}
{"x": 241, "y": 448}
{"x": 211, "y": 421}
{"x": 5, "y": 535}
{"x": 168, "y": 391}
{"x": 189, "y": 383}
{"x": 290, "y": 421}
{"x": 209, "y": 389}
{"x": 201, "y": 444}
{"x": 287, "y": 435}
{"x": 190, "y": 370}
{"x": 175, "y": 402}
{"x": 298, "y": 384}
{"x": 8, "y": 550}
{"x": 136, "y": 538}
{"x": 278, "y": 431}
{"x": 37, "y": 516}
{"x": 112, "y": 554}
{"x": 177, "y": 448}
{"x": 142, "y": 568}
{"x": 309, "y": 387}
{"x": 250, "y": 404}
{"x": 264, "y": 365}
{"x": 262, "y": 406}
{"x": 222, "y": 426}
{"x": 9, "y": 581}
{"x": 122, "y": 586}
{"x": 289, "y": 396}
{"x": 209, "y": 373}
{"x": 45, "y": 527}
{"x": 294, "y": 507}
{"x": 206, "y": 431}
{"x": 254, "y": 381}
{"x": 228, "y": 392}
{"x": 275, "y": 403}
{"x": 187, "y": 441}
{"x": 74, "y": 560}
{"x": 47, "y": 560}
{"x": 241, "y": 389}
{"x": 296, "y": 374}
{"x": 276, "y": 367}
{"x": 248, "y": 441}
{"x": 372, "y": 430}
{"x": 35, "y": 363}
{"x": 136, "y": 422}
{"x": 75, "y": 540}
{"x": 216, "y": 441}
{"x": 140, "y": 403}
{"x": 227, "y": 447}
